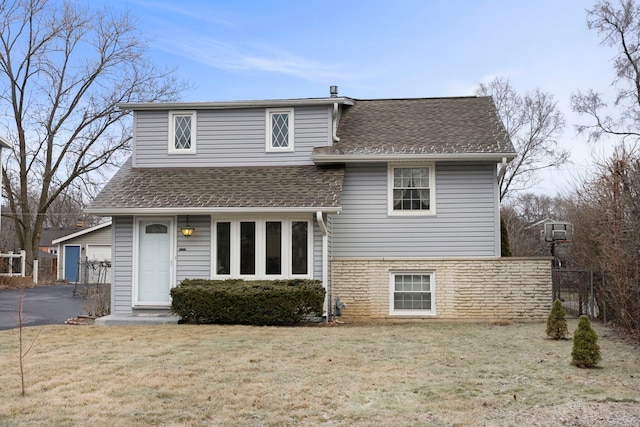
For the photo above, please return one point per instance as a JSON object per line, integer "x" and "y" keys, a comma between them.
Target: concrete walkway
{"x": 150, "y": 318}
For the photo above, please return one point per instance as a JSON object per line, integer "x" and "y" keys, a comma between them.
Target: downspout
{"x": 325, "y": 264}
{"x": 503, "y": 169}
{"x": 334, "y": 122}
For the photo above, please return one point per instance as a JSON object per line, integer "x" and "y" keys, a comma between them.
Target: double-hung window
{"x": 411, "y": 189}
{"x": 182, "y": 132}
{"x": 412, "y": 293}
{"x": 263, "y": 248}
{"x": 279, "y": 129}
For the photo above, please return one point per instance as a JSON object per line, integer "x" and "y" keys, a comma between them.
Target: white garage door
{"x": 98, "y": 263}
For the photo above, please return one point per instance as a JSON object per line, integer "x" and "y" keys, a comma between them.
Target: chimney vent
{"x": 333, "y": 90}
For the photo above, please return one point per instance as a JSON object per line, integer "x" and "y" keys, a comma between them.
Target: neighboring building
{"x": 84, "y": 256}
{"x": 392, "y": 203}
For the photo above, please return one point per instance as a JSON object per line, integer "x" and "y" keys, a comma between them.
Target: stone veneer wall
{"x": 466, "y": 288}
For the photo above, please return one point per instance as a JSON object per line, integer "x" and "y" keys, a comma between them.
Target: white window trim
{"x": 260, "y": 248}
{"x": 172, "y": 130}
{"x": 269, "y": 148}
{"x": 432, "y": 190}
{"x": 393, "y": 312}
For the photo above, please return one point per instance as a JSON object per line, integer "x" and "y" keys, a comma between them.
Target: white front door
{"x": 154, "y": 262}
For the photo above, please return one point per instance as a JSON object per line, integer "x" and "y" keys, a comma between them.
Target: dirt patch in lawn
{"x": 346, "y": 375}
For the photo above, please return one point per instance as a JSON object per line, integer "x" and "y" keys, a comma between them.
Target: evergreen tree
{"x": 586, "y": 351}
{"x": 505, "y": 247}
{"x": 557, "y": 321}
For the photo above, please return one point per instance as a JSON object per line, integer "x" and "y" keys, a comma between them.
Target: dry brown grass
{"x": 16, "y": 282}
{"x": 347, "y": 375}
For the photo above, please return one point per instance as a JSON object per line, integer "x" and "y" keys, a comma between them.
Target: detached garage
{"x": 85, "y": 256}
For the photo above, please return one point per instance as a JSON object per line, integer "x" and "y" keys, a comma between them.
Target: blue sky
{"x": 233, "y": 50}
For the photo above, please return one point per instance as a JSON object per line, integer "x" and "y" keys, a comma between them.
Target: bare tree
{"x": 522, "y": 213}
{"x": 63, "y": 70}
{"x": 619, "y": 27}
{"x": 606, "y": 215}
{"x": 533, "y": 122}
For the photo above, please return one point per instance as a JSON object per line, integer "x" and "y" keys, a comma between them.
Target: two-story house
{"x": 392, "y": 203}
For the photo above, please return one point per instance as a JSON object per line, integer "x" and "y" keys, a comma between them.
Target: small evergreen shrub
{"x": 557, "y": 322}
{"x": 586, "y": 351}
{"x": 253, "y": 302}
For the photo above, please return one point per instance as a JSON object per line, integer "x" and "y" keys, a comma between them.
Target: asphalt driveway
{"x": 44, "y": 305}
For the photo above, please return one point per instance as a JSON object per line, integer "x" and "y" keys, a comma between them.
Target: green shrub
{"x": 236, "y": 301}
{"x": 505, "y": 247}
{"x": 586, "y": 351}
{"x": 557, "y": 322}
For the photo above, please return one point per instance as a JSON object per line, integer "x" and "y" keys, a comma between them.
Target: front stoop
{"x": 137, "y": 319}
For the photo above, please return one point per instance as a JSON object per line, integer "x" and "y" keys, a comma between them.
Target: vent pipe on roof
{"x": 333, "y": 91}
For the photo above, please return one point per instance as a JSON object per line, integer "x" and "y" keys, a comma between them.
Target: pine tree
{"x": 586, "y": 351}
{"x": 557, "y": 322}
{"x": 505, "y": 247}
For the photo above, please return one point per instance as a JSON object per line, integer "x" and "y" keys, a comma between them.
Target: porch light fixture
{"x": 187, "y": 230}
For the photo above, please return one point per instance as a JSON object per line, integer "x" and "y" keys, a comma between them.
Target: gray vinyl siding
{"x": 464, "y": 224}
{"x": 194, "y": 253}
{"x": 229, "y": 138}
{"x": 122, "y": 265}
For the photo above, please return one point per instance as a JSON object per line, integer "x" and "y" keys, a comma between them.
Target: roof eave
{"x": 443, "y": 157}
{"x": 207, "y": 211}
{"x": 80, "y": 233}
{"x": 234, "y": 104}
{"x": 4, "y": 143}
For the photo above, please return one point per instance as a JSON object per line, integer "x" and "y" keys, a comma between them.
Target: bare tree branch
{"x": 65, "y": 68}
{"x": 533, "y": 122}
{"x": 618, "y": 27}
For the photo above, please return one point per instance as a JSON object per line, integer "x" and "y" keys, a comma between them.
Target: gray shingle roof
{"x": 463, "y": 125}
{"x": 230, "y": 187}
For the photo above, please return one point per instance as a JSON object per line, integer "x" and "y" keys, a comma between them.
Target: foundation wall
{"x": 465, "y": 288}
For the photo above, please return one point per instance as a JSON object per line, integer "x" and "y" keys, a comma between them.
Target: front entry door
{"x": 154, "y": 262}
{"x": 71, "y": 263}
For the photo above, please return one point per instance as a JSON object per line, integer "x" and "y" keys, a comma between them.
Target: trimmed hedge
{"x": 252, "y": 302}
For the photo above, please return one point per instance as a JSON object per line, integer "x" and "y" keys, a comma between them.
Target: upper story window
{"x": 182, "y": 132}
{"x": 279, "y": 130}
{"x": 411, "y": 189}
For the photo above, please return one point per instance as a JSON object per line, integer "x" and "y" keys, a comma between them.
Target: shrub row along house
{"x": 392, "y": 203}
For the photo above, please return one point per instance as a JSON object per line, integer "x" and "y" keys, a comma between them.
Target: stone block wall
{"x": 465, "y": 288}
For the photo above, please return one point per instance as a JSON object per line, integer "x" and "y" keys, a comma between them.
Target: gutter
{"x": 325, "y": 265}
{"x": 233, "y": 104}
{"x": 441, "y": 157}
{"x": 178, "y": 210}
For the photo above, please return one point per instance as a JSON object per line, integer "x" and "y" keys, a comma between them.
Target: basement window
{"x": 412, "y": 293}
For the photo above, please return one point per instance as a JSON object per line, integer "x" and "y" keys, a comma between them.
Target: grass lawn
{"x": 411, "y": 374}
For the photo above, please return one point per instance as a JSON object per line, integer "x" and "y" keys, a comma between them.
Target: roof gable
{"x": 81, "y": 232}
